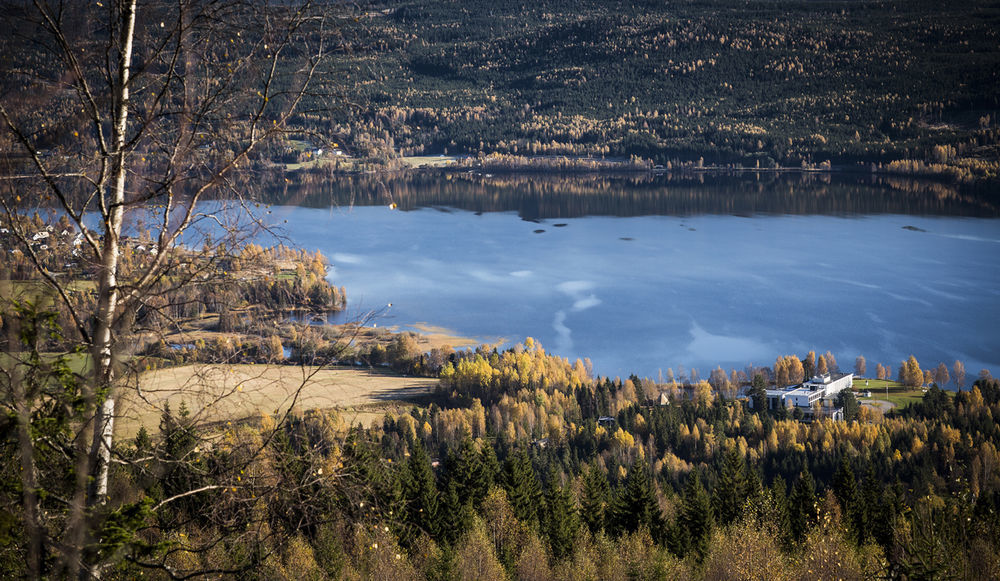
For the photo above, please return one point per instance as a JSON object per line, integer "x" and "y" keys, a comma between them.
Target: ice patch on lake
{"x": 900, "y": 297}
{"x": 345, "y": 258}
{"x": 577, "y": 290}
{"x": 705, "y": 346}
{"x": 486, "y": 276}
{"x": 574, "y": 287}
{"x": 850, "y": 282}
{"x": 933, "y": 291}
{"x": 586, "y": 303}
{"x": 970, "y": 238}
{"x": 564, "y": 336}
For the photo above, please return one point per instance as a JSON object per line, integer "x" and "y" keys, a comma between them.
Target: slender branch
{"x": 184, "y": 494}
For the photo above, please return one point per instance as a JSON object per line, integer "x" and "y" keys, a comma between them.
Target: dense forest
{"x": 523, "y": 465}
{"x": 909, "y": 86}
{"x": 896, "y": 87}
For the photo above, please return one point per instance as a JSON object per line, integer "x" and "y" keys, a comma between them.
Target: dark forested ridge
{"x": 768, "y": 82}
{"x": 906, "y": 86}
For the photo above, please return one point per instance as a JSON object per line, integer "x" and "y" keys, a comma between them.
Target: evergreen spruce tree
{"x": 454, "y": 514}
{"x": 522, "y": 487}
{"x": 767, "y": 509}
{"x": 695, "y": 519}
{"x": 869, "y": 498}
{"x": 561, "y": 520}
{"x": 758, "y": 393}
{"x": 732, "y": 489}
{"x": 491, "y": 466}
{"x": 465, "y": 469}
{"x": 635, "y": 505}
{"x": 779, "y": 498}
{"x": 368, "y": 485}
{"x": 755, "y": 487}
{"x": 596, "y": 499}
{"x": 845, "y": 488}
{"x": 421, "y": 491}
{"x": 802, "y": 505}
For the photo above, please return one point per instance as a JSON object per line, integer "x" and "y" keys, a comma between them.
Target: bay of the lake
{"x": 684, "y": 290}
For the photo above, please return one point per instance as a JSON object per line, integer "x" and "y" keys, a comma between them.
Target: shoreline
{"x": 502, "y": 163}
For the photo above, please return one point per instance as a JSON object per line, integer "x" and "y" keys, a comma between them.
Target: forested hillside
{"x": 524, "y": 466}
{"x": 761, "y": 82}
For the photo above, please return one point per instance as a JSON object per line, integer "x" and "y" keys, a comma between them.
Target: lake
{"x": 641, "y": 274}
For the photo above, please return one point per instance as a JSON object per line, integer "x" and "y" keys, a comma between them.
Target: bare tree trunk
{"x": 167, "y": 105}
{"x": 108, "y": 291}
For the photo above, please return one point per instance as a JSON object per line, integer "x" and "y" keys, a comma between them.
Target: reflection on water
{"x": 645, "y": 273}
{"x": 544, "y": 196}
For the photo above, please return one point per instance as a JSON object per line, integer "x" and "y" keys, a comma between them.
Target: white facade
{"x": 821, "y": 391}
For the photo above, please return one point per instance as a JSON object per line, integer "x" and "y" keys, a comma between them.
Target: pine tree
{"x": 732, "y": 489}
{"x": 596, "y": 499}
{"x": 758, "y": 393}
{"x": 455, "y": 514}
{"x": 522, "y": 487}
{"x": 802, "y": 505}
{"x": 561, "y": 520}
{"x": 421, "y": 491}
{"x": 635, "y": 504}
{"x": 466, "y": 470}
{"x": 695, "y": 519}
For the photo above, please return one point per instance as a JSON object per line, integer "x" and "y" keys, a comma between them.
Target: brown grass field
{"x": 214, "y": 393}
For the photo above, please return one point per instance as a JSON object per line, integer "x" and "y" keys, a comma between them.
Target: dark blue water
{"x": 641, "y": 294}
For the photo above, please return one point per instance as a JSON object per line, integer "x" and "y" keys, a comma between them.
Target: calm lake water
{"x": 641, "y": 275}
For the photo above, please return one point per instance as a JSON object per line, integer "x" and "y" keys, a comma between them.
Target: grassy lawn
{"x": 898, "y": 394}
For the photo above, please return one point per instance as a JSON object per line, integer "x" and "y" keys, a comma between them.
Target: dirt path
{"x": 881, "y": 404}
{"x": 221, "y": 392}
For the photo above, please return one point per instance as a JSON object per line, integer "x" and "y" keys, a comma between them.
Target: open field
{"x": 221, "y": 392}
{"x": 898, "y": 394}
{"x": 428, "y": 160}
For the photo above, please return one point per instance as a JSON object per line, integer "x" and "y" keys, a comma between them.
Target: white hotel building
{"x": 819, "y": 394}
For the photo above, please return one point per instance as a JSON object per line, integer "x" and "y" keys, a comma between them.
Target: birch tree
{"x": 120, "y": 117}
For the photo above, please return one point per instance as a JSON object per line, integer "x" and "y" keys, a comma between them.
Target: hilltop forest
{"x": 759, "y": 83}
{"x": 903, "y": 87}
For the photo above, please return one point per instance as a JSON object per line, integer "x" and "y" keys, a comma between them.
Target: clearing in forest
{"x": 214, "y": 393}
